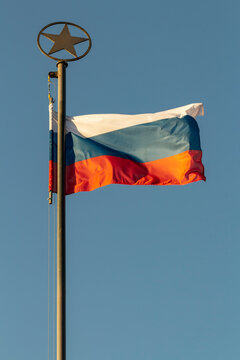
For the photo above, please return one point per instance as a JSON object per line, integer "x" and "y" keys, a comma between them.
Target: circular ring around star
{"x": 64, "y": 41}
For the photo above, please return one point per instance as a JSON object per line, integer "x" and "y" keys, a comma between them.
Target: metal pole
{"x": 61, "y": 246}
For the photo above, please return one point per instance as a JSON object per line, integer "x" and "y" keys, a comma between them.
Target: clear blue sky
{"x": 152, "y": 272}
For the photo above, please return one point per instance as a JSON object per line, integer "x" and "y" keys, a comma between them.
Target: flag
{"x": 161, "y": 148}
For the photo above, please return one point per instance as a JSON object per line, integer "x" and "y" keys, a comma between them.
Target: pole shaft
{"x": 61, "y": 246}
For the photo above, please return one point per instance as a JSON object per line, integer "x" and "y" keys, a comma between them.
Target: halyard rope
{"x": 52, "y": 265}
{"x": 52, "y": 246}
{"x": 54, "y": 275}
{"x": 48, "y": 281}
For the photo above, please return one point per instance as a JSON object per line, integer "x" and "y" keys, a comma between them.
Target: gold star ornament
{"x": 64, "y": 41}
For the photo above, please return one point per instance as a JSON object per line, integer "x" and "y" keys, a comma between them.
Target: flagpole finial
{"x": 64, "y": 41}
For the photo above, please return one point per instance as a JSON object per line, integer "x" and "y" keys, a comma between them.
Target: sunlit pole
{"x": 61, "y": 228}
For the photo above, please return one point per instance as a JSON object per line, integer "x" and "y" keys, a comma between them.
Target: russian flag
{"x": 145, "y": 149}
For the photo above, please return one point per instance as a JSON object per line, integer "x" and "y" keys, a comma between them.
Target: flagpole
{"x": 61, "y": 238}
{"x": 66, "y": 42}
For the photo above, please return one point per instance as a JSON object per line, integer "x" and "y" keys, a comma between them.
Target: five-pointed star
{"x": 64, "y": 41}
